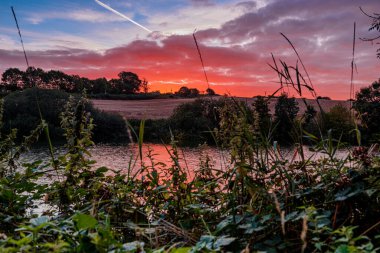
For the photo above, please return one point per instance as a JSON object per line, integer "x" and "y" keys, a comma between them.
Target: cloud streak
{"x": 123, "y": 16}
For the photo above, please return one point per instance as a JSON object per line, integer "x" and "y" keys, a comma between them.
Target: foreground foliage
{"x": 260, "y": 201}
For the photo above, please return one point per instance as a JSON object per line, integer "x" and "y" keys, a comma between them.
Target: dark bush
{"x": 325, "y": 98}
{"x": 109, "y": 128}
{"x": 367, "y": 105}
{"x": 339, "y": 120}
{"x": 155, "y": 130}
{"x": 22, "y": 111}
{"x": 286, "y": 110}
{"x": 261, "y": 107}
{"x": 193, "y": 122}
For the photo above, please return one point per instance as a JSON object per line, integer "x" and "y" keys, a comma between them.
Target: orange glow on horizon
{"x": 172, "y": 84}
{"x": 230, "y": 90}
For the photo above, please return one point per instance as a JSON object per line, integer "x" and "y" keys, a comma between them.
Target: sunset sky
{"x": 236, "y": 38}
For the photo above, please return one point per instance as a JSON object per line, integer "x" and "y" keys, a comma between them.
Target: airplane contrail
{"x": 122, "y": 15}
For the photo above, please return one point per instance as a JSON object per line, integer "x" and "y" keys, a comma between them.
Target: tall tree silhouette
{"x": 286, "y": 110}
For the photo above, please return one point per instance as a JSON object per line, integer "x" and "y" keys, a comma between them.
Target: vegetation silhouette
{"x": 126, "y": 83}
{"x": 22, "y": 112}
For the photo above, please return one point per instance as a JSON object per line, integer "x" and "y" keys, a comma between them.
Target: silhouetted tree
{"x": 325, "y": 98}
{"x": 144, "y": 86}
{"x": 183, "y": 91}
{"x": 59, "y": 80}
{"x": 367, "y": 104}
{"x": 12, "y": 79}
{"x": 210, "y": 92}
{"x": 128, "y": 83}
{"x": 309, "y": 114}
{"x": 340, "y": 122}
{"x": 186, "y": 92}
{"x": 99, "y": 85}
{"x": 286, "y": 110}
{"x": 193, "y": 122}
{"x": 34, "y": 77}
{"x": 113, "y": 86}
{"x": 309, "y": 121}
{"x": 81, "y": 83}
{"x": 15, "y": 79}
{"x": 194, "y": 92}
{"x": 21, "y": 112}
{"x": 260, "y": 106}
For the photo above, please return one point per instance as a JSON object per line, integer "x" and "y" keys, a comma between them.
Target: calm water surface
{"x": 126, "y": 157}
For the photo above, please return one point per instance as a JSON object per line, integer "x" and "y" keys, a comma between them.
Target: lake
{"x": 126, "y": 158}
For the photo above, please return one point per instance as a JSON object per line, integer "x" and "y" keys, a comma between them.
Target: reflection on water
{"x": 126, "y": 157}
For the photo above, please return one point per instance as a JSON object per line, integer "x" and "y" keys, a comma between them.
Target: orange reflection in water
{"x": 160, "y": 157}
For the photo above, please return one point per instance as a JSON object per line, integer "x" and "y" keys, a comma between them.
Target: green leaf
{"x": 223, "y": 241}
{"x": 293, "y": 216}
{"x": 135, "y": 246}
{"x": 369, "y": 192}
{"x": 205, "y": 242}
{"x": 84, "y": 221}
{"x": 101, "y": 170}
{"x": 181, "y": 250}
{"x": 252, "y": 225}
{"x": 141, "y": 137}
{"x": 230, "y": 220}
{"x": 39, "y": 221}
{"x": 346, "y": 249}
{"x": 348, "y": 193}
{"x": 265, "y": 218}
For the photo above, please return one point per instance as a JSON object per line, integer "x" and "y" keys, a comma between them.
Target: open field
{"x": 141, "y": 109}
{"x": 163, "y": 108}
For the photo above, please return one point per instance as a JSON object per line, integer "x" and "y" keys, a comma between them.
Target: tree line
{"x": 193, "y": 92}
{"x": 127, "y": 82}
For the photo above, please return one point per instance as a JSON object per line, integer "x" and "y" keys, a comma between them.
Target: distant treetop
{"x": 193, "y": 92}
{"x": 325, "y": 98}
{"x": 127, "y": 82}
